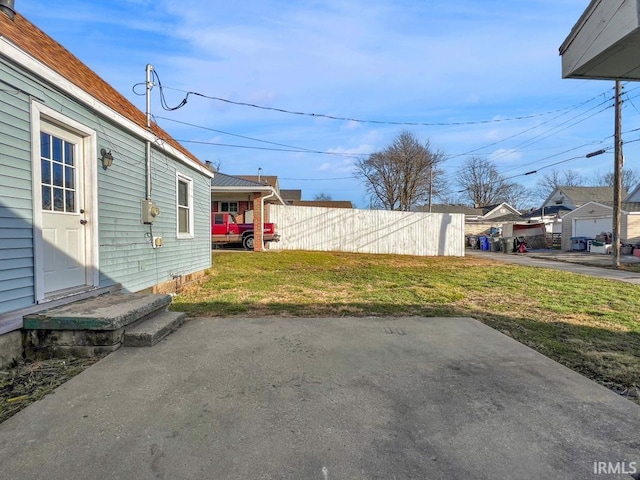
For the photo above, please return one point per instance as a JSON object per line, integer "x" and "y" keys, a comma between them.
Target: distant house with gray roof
{"x": 574, "y": 197}
{"x": 290, "y": 196}
{"x": 481, "y": 219}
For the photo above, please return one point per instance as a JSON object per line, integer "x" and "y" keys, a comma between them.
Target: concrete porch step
{"x": 97, "y": 325}
{"x": 106, "y": 312}
{"x": 148, "y": 332}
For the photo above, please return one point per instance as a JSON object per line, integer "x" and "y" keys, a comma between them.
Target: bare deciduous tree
{"x": 403, "y": 175}
{"x": 482, "y": 184}
{"x": 214, "y": 165}
{"x": 554, "y": 179}
{"x": 519, "y": 197}
{"x": 322, "y": 197}
{"x": 630, "y": 179}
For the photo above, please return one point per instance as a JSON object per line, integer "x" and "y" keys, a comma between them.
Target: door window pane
{"x": 70, "y": 201}
{"x": 57, "y": 174}
{"x": 46, "y": 198}
{"x": 46, "y": 171}
{"x": 69, "y": 178}
{"x": 58, "y": 200}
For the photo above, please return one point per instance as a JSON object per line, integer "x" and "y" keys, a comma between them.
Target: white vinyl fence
{"x": 367, "y": 231}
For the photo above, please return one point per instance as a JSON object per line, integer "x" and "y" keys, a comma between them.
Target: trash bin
{"x": 507, "y": 245}
{"x": 494, "y": 244}
{"x": 484, "y": 244}
{"x": 579, "y": 244}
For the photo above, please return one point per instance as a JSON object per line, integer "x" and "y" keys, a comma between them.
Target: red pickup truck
{"x": 225, "y": 230}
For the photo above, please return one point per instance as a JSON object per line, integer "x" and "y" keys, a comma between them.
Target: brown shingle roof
{"x": 45, "y": 49}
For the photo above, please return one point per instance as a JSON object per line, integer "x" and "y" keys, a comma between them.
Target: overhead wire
{"x": 333, "y": 117}
{"x": 294, "y": 149}
{"x": 290, "y": 150}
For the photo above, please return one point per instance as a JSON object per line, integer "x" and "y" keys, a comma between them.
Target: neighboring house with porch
{"x": 89, "y": 199}
{"x": 245, "y": 197}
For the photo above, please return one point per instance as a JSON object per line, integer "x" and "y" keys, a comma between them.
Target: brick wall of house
{"x": 257, "y": 222}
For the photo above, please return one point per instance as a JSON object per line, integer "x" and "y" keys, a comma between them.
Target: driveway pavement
{"x": 326, "y": 399}
{"x": 577, "y": 262}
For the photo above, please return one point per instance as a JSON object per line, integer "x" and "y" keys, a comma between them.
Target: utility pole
{"x": 430, "y": 185}
{"x": 149, "y": 84}
{"x": 617, "y": 177}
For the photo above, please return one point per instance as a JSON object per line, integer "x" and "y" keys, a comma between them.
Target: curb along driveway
{"x": 326, "y": 399}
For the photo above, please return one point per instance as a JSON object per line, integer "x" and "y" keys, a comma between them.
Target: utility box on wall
{"x": 149, "y": 211}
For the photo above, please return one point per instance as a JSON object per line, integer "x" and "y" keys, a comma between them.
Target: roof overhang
{"x": 605, "y": 43}
{"x": 22, "y": 58}
{"x": 248, "y": 189}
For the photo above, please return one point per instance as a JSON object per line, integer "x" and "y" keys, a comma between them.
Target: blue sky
{"x": 483, "y": 77}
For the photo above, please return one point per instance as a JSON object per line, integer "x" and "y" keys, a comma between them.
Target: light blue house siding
{"x": 125, "y": 255}
{"x": 16, "y": 206}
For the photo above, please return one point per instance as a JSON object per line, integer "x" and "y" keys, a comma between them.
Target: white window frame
{"x": 189, "y": 181}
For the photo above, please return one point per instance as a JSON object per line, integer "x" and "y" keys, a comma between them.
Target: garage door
{"x": 590, "y": 227}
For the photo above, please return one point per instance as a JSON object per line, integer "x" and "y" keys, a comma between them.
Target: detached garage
{"x": 593, "y": 218}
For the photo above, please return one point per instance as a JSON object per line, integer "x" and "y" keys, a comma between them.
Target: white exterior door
{"x": 62, "y": 208}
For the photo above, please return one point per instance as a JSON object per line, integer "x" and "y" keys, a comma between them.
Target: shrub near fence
{"x": 368, "y": 231}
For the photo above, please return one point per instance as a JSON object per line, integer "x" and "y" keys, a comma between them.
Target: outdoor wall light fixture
{"x": 107, "y": 158}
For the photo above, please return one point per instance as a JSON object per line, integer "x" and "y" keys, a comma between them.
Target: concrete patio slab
{"x": 326, "y": 399}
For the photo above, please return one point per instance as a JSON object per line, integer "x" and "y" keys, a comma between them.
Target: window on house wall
{"x": 231, "y": 207}
{"x": 184, "y": 196}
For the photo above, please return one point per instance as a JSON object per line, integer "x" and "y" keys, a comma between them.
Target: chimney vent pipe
{"x": 7, "y": 7}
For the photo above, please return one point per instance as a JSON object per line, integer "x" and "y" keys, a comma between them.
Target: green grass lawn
{"x": 590, "y": 325}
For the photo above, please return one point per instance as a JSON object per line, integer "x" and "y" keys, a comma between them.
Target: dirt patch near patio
{"x": 30, "y": 380}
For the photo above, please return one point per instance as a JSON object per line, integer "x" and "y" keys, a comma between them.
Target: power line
{"x": 317, "y": 179}
{"x": 293, "y": 148}
{"x": 351, "y": 155}
{"x": 356, "y": 120}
